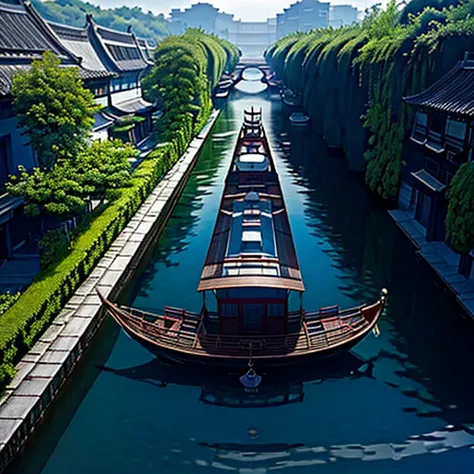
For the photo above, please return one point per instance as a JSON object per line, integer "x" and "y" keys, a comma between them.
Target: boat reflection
{"x": 278, "y": 388}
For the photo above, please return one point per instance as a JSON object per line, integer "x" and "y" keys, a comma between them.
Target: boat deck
{"x": 252, "y": 244}
{"x": 185, "y": 331}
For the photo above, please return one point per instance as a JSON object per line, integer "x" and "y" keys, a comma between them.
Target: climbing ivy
{"x": 186, "y": 71}
{"x": 353, "y": 79}
{"x": 460, "y": 219}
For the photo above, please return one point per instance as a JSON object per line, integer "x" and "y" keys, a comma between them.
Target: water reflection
{"x": 252, "y": 82}
{"x": 223, "y": 388}
{"x": 403, "y": 396}
{"x": 270, "y": 457}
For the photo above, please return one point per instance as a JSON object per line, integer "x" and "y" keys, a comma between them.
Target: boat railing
{"x": 238, "y": 344}
{"x": 167, "y": 311}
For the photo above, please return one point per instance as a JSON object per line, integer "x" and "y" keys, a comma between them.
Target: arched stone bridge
{"x": 257, "y": 63}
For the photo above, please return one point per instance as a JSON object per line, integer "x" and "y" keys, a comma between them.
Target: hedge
{"x": 183, "y": 117}
{"x": 24, "y": 322}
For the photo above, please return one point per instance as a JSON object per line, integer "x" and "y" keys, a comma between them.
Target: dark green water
{"x": 400, "y": 403}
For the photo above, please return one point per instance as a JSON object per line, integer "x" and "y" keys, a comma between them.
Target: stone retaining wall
{"x": 42, "y": 372}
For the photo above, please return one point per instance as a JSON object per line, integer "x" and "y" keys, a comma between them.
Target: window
{"x": 98, "y": 89}
{"x": 116, "y": 84}
{"x": 5, "y": 154}
{"x": 229, "y": 310}
{"x": 420, "y": 128}
{"x": 435, "y": 133}
{"x": 276, "y": 310}
{"x": 455, "y": 134}
{"x": 123, "y": 53}
{"x": 437, "y": 124}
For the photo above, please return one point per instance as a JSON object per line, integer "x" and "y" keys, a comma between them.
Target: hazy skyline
{"x": 247, "y": 10}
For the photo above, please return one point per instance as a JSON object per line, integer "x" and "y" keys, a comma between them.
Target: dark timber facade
{"x": 443, "y": 130}
{"x": 111, "y": 64}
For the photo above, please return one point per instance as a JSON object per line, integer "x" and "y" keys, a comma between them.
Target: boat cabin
{"x": 251, "y": 266}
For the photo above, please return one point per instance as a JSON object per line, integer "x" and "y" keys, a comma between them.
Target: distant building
{"x": 304, "y": 15}
{"x": 253, "y": 38}
{"x": 201, "y": 15}
{"x": 342, "y": 15}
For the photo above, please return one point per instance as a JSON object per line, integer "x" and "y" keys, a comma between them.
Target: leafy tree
{"x": 415, "y": 7}
{"x": 187, "y": 69}
{"x": 65, "y": 189}
{"x": 460, "y": 218}
{"x": 54, "y": 108}
{"x": 57, "y": 192}
{"x": 72, "y": 12}
{"x": 104, "y": 166}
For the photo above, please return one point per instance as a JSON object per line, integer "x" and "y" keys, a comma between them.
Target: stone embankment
{"x": 42, "y": 372}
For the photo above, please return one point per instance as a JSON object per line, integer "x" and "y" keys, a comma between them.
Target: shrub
{"x": 24, "y": 322}
{"x": 460, "y": 218}
{"x": 53, "y": 247}
{"x": 7, "y": 300}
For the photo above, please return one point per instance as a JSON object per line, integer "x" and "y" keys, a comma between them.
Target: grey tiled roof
{"x": 7, "y": 71}
{"x": 452, "y": 94}
{"x": 24, "y": 34}
{"x": 122, "y": 49}
{"x": 76, "y": 40}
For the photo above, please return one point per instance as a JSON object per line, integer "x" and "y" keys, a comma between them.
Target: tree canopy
{"x": 460, "y": 219}
{"x": 64, "y": 190}
{"x": 353, "y": 79}
{"x": 186, "y": 71}
{"x": 54, "y": 109}
{"x": 72, "y": 12}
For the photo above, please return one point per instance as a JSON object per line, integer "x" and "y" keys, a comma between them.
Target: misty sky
{"x": 248, "y": 10}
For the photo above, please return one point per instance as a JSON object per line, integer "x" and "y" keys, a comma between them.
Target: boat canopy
{"x": 252, "y": 245}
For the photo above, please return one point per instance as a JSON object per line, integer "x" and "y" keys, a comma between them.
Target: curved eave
{"x": 223, "y": 283}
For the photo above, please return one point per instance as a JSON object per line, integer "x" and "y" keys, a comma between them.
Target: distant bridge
{"x": 247, "y": 63}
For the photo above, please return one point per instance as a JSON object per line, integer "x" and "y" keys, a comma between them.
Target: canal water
{"x": 402, "y": 402}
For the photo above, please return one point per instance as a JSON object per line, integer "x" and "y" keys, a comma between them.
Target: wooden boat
{"x": 222, "y": 94}
{"x": 224, "y": 87}
{"x": 299, "y": 119}
{"x": 250, "y": 271}
{"x": 291, "y": 99}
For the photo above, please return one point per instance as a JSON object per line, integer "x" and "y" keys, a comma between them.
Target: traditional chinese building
{"x": 304, "y": 15}
{"x": 126, "y": 59}
{"x": 24, "y": 37}
{"x": 342, "y": 15}
{"x": 443, "y": 131}
{"x": 111, "y": 64}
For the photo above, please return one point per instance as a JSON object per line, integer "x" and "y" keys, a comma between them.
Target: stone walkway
{"x": 44, "y": 369}
{"x": 439, "y": 256}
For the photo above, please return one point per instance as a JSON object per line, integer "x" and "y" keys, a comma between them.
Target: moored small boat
{"x": 299, "y": 119}
{"x": 249, "y": 273}
{"x": 291, "y": 99}
{"x": 222, "y": 94}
